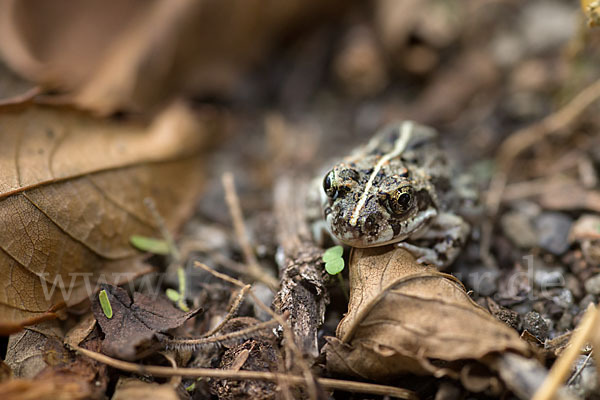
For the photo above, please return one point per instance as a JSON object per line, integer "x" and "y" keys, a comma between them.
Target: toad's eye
{"x": 400, "y": 201}
{"x": 404, "y": 200}
{"x": 329, "y": 185}
{"x": 349, "y": 174}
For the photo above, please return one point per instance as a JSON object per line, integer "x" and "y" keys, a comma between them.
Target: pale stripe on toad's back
{"x": 400, "y": 145}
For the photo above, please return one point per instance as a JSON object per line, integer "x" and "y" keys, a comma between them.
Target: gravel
{"x": 553, "y": 232}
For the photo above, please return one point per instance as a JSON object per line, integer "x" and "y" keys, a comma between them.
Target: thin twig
{"x": 562, "y": 367}
{"x": 576, "y": 374}
{"x": 242, "y": 333}
{"x": 237, "y": 302}
{"x": 219, "y": 275}
{"x": 233, "y": 202}
{"x": 332, "y": 384}
{"x": 523, "y": 139}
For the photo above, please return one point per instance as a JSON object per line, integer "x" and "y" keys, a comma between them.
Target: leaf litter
{"x": 136, "y": 324}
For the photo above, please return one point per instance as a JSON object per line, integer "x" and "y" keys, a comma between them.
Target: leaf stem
{"x": 343, "y": 285}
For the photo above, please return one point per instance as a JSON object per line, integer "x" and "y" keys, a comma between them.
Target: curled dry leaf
{"x": 407, "y": 318}
{"x": 25, "y": 352}
{"x": 72, "y": 192}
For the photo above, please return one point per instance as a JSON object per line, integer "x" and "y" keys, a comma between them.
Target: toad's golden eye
{"x": 329, "y": 185}
{"x": 400, "y": 201}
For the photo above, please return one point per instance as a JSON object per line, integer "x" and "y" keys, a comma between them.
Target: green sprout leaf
{"x": 333, "y": 253}
{"x": 335, "y": 266}
{"x": 105, "y": 304}
{"x": 334, "y": 263}
{"x": 191, "y": 388}
{"x": 156, "y": 246}
{"x": 173, "y": 295}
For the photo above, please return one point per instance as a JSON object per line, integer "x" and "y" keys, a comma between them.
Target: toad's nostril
{"x": 370, "y": 225}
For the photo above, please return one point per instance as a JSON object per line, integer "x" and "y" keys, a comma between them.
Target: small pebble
{"x": 565, "y": 323}
{"x": 549, "y": 278}
{"x": 592, "y": 285}
{"x": 586, "y": 301}
{"x": 547, "y": 24}
{"x": 535, "y": 324}
{"x": 265, "y": 294}
{"x": 587, "y": 227}
{"x": 507, "y": 48}
{"x": 483, "y": 280}
{"x": 517, "y": 227}
{"x": 563, "y": 299}
{"x": 553, "y": 232}
{"x": 574, "y": 285}
{"x": 509, "y": 317}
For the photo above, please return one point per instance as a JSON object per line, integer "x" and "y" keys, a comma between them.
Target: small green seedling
{"x": 178, "y": 296}
{"x": 182, "y": 286}
{"x": 335, "y": 266}
{"x": 156, "y": 246}
{"x": 334, "y": 263}
{"x": 192, "y": 387}
{"x": 105, "y": 304}
{"x": 173, "y": 295}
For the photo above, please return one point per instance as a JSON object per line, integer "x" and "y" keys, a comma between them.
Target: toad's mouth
{"x": 372, "y": 230}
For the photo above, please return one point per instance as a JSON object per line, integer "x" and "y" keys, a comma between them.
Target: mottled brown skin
{"x": 409, "y": 198}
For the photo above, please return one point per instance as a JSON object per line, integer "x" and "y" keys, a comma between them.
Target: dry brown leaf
{"x": 49, "y": 388}
{"x": 137, "y": 324}
{"x": 135, "y": 54}
{"x": 43, "y": 365}
{"x": 64, "y": 366}
{"x": 80, "y": 331}
{"x": 5, "y": 372}
{"x": 71, "y": 195}
{"x": 407, "y": 318}
{"x": 135, "y": 389}
{"x": 25, "y": 352}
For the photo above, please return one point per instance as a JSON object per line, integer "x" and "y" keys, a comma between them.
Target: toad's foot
{"x": 423, "y": 254}
{"x": 443, "y": 241}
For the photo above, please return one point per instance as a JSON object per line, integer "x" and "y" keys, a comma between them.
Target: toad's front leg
{"x": 441, "y": 243}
